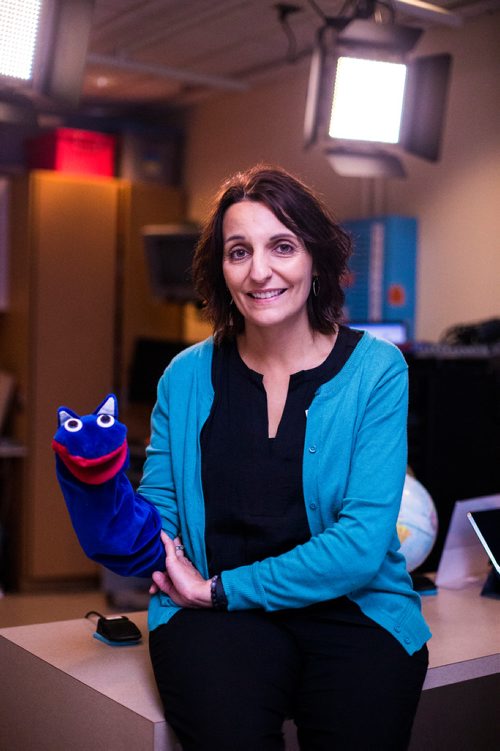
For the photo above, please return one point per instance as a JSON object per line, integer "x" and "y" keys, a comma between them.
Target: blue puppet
{"x": 115, "y": 525}
{"x": 93, "y": 447}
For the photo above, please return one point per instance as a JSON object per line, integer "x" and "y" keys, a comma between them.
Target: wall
{"x": 228, "y": 133}
{"x": 456, "y": 200}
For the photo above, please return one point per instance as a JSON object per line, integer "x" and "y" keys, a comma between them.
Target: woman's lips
{"x": 267, "y": 294}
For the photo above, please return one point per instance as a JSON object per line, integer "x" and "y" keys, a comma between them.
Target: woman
{"x": 276, "y": 466}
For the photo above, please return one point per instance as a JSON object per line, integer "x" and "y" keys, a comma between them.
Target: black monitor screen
{"x": 150, "y": 358}
{"x": 169, "y": 251}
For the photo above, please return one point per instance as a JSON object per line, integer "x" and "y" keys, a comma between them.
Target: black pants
{"x": 228, "y": 680}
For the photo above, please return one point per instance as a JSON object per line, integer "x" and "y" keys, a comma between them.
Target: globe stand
{"x": 491, "y": 586}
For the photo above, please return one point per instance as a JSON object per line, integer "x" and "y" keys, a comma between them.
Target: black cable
{"x": 291, "y": 54}
{"x": 285, "y": 10}
{"x": 94, "y": 612}
{"x": 318, "y": 10}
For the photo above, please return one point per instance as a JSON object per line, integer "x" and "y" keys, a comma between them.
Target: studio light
{"x": 19, "y": 23}
{"x": 43, "y": 47}
{"x": 367, "y": 102}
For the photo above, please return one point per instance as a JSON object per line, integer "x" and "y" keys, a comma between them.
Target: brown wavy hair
{"x": 301, "y": 211}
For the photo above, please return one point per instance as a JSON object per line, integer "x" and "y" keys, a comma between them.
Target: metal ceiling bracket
{"x": 163, "y": 71}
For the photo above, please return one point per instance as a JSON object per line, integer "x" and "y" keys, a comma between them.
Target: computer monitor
{"x": 486, "y": 525}
{"x": 169, "y": 251}
{"x": 149, "y": 360}
{"x": 393, "y": 331}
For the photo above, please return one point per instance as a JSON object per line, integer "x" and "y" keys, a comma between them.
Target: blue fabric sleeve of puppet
{"x": 115, "y": 526}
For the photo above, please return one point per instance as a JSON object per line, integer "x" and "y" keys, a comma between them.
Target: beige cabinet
{"x": 141, "y": 315}
{"x": 78, "y": 298}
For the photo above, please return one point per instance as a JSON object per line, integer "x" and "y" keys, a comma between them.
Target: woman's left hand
{"x": 181, "y": 581}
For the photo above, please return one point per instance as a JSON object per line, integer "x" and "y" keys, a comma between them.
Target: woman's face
{"x": 267, "y": 268}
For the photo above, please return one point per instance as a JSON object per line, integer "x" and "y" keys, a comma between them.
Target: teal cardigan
{"x": 354, "y": 465}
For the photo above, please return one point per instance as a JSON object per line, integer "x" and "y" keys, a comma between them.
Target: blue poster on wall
{"x": 382, "y": 281}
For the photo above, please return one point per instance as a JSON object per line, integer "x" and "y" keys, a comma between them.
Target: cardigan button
{"x": 312, "y": 449}
{"x": 397, "y": 629}
{"x": 313, "y": 506}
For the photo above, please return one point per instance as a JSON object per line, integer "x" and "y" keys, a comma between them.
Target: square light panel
{"x": 367, "y": 100}
{"x": 19, "y": 21}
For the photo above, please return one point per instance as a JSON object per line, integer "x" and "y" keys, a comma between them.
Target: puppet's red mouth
{"x": 93, "y": 471}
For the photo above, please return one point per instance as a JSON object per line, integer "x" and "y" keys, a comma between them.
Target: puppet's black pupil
{"x": 73, "y": 423}
{"x": 105, "y": 419}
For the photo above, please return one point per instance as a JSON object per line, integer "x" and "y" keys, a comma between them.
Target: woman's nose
{"x": 261, "y": 268}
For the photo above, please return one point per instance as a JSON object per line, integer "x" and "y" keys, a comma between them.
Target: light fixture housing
{"x": 366, "y": 103}
{"x": 43, "y": 49}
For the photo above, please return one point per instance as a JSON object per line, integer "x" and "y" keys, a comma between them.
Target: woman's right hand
{"x": 181, "y": 581}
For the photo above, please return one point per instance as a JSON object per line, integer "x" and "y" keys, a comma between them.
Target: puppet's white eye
{"x": 73, "y": 425}
{"x": 105, "y": 421}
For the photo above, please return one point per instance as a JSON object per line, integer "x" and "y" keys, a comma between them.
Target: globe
{"x": 417, "y": 523}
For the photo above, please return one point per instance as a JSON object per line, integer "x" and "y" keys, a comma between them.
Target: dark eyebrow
{"x": 233, "y": 237}
{"x": 279, "y": 236}
{"x": 284, "y": 235}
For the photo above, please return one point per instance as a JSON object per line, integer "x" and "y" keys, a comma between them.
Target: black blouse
{"x": 252, "y": 484}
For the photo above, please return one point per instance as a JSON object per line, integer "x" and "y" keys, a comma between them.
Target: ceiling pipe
{"x": 163, "y": 71}
{"x": 428, "y": 12}
{"x": 473, "y": 10}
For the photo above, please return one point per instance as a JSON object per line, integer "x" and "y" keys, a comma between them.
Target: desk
{"x": 459, "y": 707}
{"x": 63, "y": 689}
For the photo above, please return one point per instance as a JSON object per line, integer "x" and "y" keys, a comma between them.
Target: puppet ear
{"x": 63, "y": 414}
{"x": 108, "y": 407}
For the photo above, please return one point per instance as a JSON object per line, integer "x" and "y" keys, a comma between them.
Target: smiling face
{"x": 267, "y": 268}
